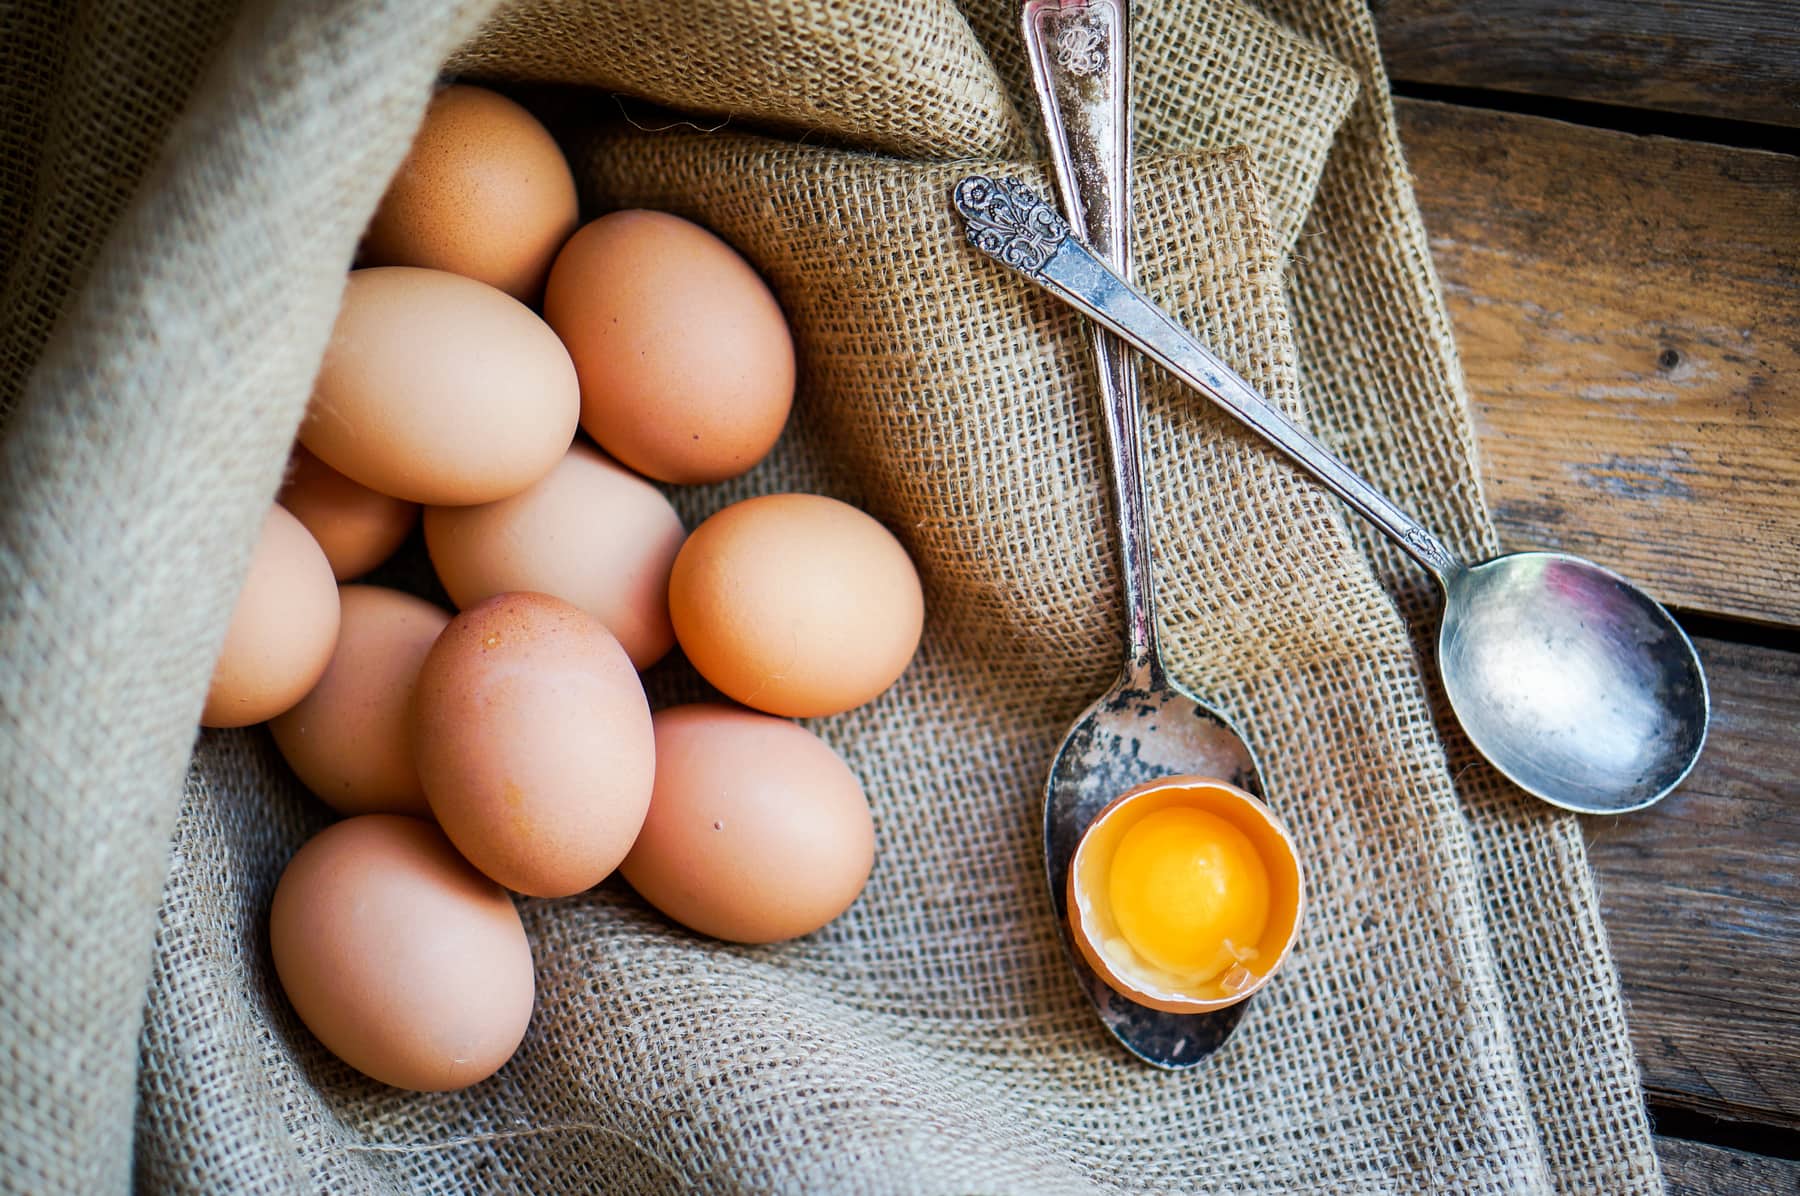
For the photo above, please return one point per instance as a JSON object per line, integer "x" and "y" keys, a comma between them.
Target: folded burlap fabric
{"x": 187, "y": 193}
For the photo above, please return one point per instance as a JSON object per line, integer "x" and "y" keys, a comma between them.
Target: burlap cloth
{"x": 183, "y": 190}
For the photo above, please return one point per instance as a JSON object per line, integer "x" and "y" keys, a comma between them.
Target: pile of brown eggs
{"x": 511, "y": 747}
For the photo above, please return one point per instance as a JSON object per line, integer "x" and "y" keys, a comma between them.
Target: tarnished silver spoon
{"x": 1145, "y": 726}
{"x": 1572, "y": 681}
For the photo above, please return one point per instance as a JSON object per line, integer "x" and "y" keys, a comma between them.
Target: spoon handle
{"x": 1080, "y": 63}
{"x": 1017, "y": 227}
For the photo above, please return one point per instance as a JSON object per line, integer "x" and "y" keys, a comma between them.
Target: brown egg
{"x": 282, "y": 628}
{"x": 484, "y": 193}
{"x": 403, "y": 960}
{"x": 686, "y": 364}
{"x": 591, "y": 532}
{"x": 796, "y": 604}
{"x": 534, "y": 743}
{"x": 357, "y": 528}
{"x": 757, "y": 831}
{"x": 350, "y": 739}
{"x": 440, "y": 389}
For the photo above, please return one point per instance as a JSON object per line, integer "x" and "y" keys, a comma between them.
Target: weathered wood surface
{"x": 1696, "y": 1169}
{"x": 1699, "y": 897}
{"x": 1628, "y": 312}
{"x": 1738, "y": 59}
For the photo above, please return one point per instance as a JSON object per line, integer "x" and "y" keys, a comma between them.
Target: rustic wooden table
{"x": 1614, "y": 208}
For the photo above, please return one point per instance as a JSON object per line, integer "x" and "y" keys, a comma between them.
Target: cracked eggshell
{"x": 1095, "y": 926}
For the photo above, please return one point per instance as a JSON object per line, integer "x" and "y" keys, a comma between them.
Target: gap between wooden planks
{"x": 1694, "y": 1169}
{"x": 1628, "y": 313}
{"x": 1697, "y": 897}
{"x": 1734, "y": 59}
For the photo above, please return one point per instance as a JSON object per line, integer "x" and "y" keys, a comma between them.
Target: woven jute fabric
{"x": 909, "y": 79}
{"x": 183, "y": 194}
{"x": 1213, "y": 74}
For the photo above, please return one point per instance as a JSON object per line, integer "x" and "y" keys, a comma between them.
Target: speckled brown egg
{"x": 350, "y": 739}
{"x": 484, "y": 192}
{"x": 534, "y": 744}
{"x": 357, "y": 527}
{"x": 408, "y": 964}
{"x": 757, "y": 830}
{"x": 796, "y": 604}
{"x": 439, "y": 389}
{"x": 591, "y": 532}
{"x": 686, "y": 363}
{"x": 282, "y": 629}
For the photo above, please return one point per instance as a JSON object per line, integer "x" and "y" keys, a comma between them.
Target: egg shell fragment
{"x": 484, "y": 192}
{"x": 757, "y": 830}
{"x": 796, "y": 604}
{"x": 534, "y": 743}
{"x": 357, "y": 527}
{"x": 282, "y": 629}
{"x": 350, "y": 739}
{"x": 439, "y": 389}
{"x": 1097, "y": 934}
{"x": 686, "y": 362}
{"x": 404, "y": 961}
{"x": 590, "y": 532}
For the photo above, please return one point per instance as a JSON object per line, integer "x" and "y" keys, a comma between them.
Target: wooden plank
{"x": 1738, "y": 59}
{"x": 1696, "y": 1169}
{"x": 1628, "y": 311}
{"x": 1697, "y": 894}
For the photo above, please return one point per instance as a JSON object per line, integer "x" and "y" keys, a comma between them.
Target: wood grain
{"x": 1628, "y": 312}
{"x": 1696, "y": 1169}
{"x": 1738, "y": 59}
{"x": 1697, "y": 894}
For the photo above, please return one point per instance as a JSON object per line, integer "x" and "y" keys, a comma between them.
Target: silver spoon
{"x": 1145, "y": 726}
{"x": 1573, "y": 682}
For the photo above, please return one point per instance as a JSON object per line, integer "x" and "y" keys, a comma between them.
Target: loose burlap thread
{"x": 1449, "y": 1021}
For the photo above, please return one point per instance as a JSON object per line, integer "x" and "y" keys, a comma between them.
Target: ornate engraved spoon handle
{"x": 1080, "y": 62}
{"x": 1010, "y": 222}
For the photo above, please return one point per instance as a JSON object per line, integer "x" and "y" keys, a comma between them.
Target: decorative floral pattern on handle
{"x": 1427, "y": 548}
{"x": 1009, "y": 221}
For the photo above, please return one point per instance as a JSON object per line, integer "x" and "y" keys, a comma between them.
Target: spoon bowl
{"x": 1573, "y": 682}
{"x": 1143, "y": 728}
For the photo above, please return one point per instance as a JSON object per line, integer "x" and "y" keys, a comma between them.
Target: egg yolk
{"x": 1190, "y": 892}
